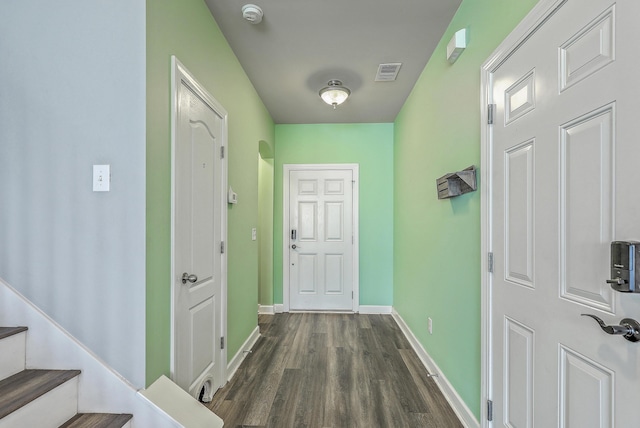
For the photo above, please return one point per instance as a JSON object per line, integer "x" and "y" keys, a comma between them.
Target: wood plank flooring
{"x": 97, "y": 420}
{"x": 10, "y": 331}
{"x": 332, "y": 371}
{"x": 22, "y": 388}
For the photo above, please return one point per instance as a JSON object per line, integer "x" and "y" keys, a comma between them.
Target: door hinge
{"x": 221, "y": 152}
{"x": 222, "y": 247}
{"x": 489, "y": 410}
{"x": 491, "y": 109}
{"x": 490, "y": 262}
{"x": 222, "y": 342}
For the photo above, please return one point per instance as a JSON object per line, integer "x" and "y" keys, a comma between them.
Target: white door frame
{"x": 179, "y": 75}
{"x": 536, "y": 17}
{"x": 286, "y": 169}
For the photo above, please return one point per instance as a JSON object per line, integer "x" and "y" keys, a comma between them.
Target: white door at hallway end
{"x": 320, "y": 242}
{"x": 199, "y": 229}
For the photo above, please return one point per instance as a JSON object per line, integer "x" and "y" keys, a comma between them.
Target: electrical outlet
{"x": 430, "y": 325}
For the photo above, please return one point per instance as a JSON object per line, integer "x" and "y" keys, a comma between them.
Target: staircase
{"x": 42, "y": 398}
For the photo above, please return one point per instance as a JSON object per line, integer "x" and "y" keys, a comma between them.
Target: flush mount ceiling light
{"x": 334, "y": 94}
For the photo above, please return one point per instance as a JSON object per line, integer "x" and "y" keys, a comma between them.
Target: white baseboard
{"x": 237, "y": 359}
{"x": 373, "y": 310}
{"x": 364, "y": 309}
{"x": 266, "y": 310}
{"x": 459, "y": 407}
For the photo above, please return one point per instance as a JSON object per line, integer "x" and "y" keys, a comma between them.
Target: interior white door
{"x": 321, "y": 239}
{"x": 564, "y": 177}
{"x": 199, "y": 224}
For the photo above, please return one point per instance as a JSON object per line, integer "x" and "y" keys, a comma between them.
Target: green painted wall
{"x": 186, "y": 28}
{"x": 265, "y": 230}
{"x": 371, "y": 146}
{"x": 437, "y": 242}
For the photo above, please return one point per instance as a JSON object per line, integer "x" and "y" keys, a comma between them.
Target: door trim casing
{"x": 286, "y": 169}
{"x": 536, "y": 18}
{"x": 179, "y": 74}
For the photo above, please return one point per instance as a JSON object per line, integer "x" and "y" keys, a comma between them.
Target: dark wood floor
{"x": 332, "y": 370}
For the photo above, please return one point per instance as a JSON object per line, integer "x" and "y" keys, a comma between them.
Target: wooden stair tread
{"x": 20, "y": 389}
{"x": 10, "y": 331}
{"x": 97, "y": 420}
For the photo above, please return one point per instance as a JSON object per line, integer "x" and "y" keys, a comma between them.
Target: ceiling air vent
{"x": 388, "y": 72}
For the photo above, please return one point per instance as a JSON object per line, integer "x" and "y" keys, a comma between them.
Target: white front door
{"x": 321, "y": 238}
{"x": 563, "y": 184}
{"x": 199, "y": 222}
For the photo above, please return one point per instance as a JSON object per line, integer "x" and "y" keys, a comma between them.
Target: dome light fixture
{"x": 334, "y": 93}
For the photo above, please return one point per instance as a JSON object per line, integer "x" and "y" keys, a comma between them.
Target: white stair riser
{"x": 12, "y": 354}
{"x": 48, "y": 411}
{"x": 101, "y": 389}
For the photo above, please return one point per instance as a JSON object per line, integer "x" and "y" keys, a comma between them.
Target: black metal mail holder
{"x": 457, "y": 183}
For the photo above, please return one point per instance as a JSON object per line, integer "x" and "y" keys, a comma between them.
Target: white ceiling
{"x": 302, "y": 44}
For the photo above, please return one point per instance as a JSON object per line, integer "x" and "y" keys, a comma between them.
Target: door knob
{"x": 191, "y": 278}
{"x": 294, "y": 246}
{"x": 628, "y": 328}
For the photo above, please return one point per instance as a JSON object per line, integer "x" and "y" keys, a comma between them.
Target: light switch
{"x": 253, "y": 234}
{"x": 101, "y": 178}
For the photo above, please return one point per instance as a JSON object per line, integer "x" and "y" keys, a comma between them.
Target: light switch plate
{"x": 254, "y": 234}
{"x": 101, "y": 178}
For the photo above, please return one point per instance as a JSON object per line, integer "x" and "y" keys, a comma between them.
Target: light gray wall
{"x": 72, "y": 76}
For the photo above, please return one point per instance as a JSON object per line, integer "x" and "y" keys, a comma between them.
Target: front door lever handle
{"x": 191, "y": 278}
{"x": 628, "y": 328}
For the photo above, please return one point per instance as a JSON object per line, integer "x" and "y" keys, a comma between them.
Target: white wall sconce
{"x": 457, "y": 45}
{"x": 334, "y": 94}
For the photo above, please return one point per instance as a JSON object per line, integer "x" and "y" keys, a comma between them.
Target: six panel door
{"x": 564, "y": 185}
{"x": 321, "y": 248}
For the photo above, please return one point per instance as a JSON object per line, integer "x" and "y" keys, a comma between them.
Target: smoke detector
{"x": 252, "y": 13}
